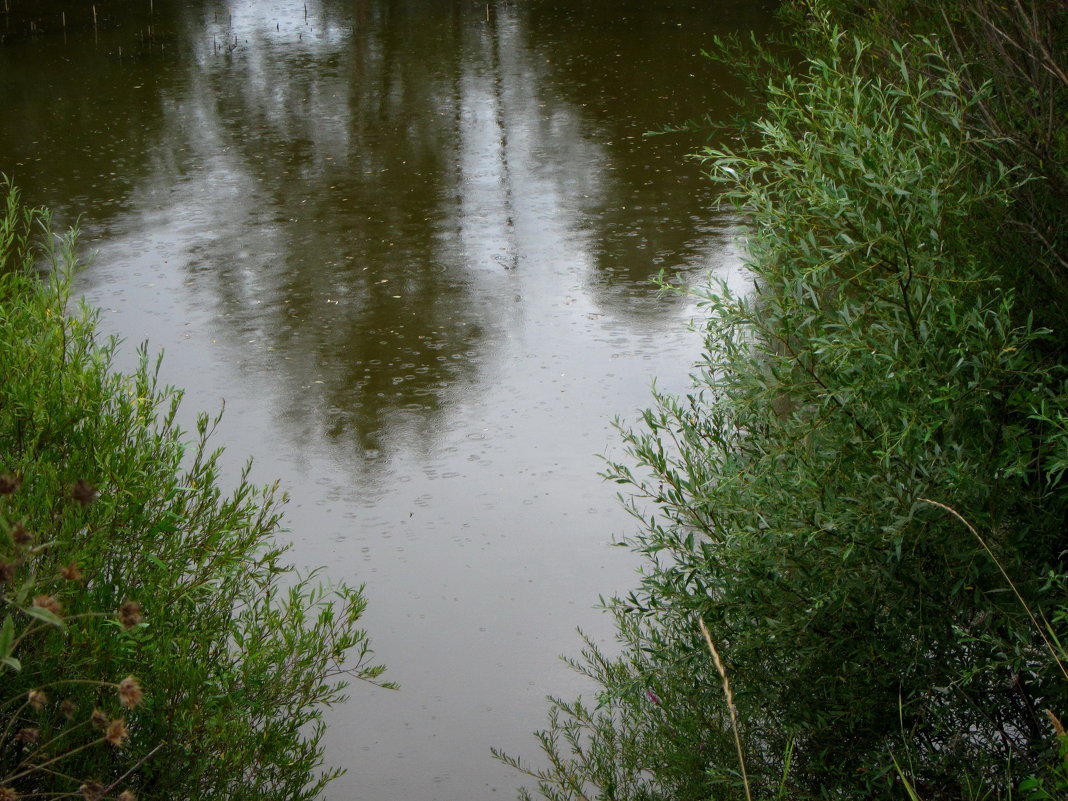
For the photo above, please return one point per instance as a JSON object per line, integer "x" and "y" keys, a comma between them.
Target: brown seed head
{"x": 129, "y": 614}
{"x": 83, "y": 492}
{"x": 28, "y": 735}
{"x": 116, "y": 732}
{"x": 70, "y": 571}
{"x": 125, "y": 795}
{"x": 38, "y": 699}
{"x": 7, "y": 571}
{"x": 67, "y": 708}
{"x": 1057, "y": 726}
{"x": 92, "y": 791}
{"x": 130, "y": 692}
{"x": 21, "y": 535}
{"x": 7, "y": 794}
{"x": 99, "y": 719}
{"x": 9, "y": 483}
{"x": 49, "y": 602}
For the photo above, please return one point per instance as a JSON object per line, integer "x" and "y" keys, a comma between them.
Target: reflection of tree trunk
{"x": 511, "y": 260}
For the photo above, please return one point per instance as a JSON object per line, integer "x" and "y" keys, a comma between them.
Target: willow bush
{"x": 1015, "y": 49}
{"x": 861, "y": 496}
{"x": 153, "y": 641}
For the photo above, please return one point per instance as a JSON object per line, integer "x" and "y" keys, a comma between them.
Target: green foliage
{"x": 121, "y": 557}
{"x": 1016, "y": 49}
{"x": 862, "y": 495}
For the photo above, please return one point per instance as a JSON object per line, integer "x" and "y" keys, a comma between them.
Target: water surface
{"x": 409, "y": 244}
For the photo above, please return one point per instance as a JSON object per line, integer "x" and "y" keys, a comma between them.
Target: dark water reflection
{"x": 408, "y": 242}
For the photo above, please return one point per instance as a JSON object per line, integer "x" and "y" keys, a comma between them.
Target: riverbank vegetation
{"x": 153, "y": 642}
{"x": 863, "y": 497}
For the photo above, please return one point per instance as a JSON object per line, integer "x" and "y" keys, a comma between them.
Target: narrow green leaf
{"x": 45, "y": 615}
{"x": 7, "y": 636}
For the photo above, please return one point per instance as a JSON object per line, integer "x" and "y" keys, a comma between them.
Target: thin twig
{"x": 730, "y": 705}
{"x": 1016, "y": 592}
{"x": 136, "y": 765}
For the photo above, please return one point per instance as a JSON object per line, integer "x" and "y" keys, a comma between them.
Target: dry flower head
{"x": 129, "y": 614}
{"x": 21, "y": 535}
{"x": 1057, "y": 726}
{"x": 116, "y": 732}
{"x": 49, "y": 602}
{"x": 28, "y": 735}
{"x": 83, "y": 492}
{"x": 130, "y": 692}
{"x": 70, "y": 571}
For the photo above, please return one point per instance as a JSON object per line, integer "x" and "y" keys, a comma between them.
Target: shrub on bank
{"x": 862, "y": 496}
{"x": 153, "y": 642}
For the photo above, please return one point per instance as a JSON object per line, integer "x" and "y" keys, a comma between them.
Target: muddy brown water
{"x": 409, "y": 245}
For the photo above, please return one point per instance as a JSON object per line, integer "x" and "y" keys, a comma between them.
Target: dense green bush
{"x": 152, "y": 639}
{"x": 1016, "y": 50}
{"x": 862, "y": 497}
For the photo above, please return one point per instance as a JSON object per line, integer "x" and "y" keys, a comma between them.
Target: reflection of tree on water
{"x": 655, "y": 212}
{"x": 364, "y": 161}
{"x": 339, "y": 145}
{"x": 81, "y": 109}
{"x": 510, "y": 258}
{"x": 362, "y": 190}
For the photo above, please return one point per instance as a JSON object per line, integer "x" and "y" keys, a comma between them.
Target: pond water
{"x": 409, "y": 244}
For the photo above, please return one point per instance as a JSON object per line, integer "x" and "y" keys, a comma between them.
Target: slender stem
{"x": 43, "y": 746}
{"x": 97, "y": 682}
{"x": 40, "y": 626}
{"x": 1016, "y": 592}
{"x": 13, "y": 717}
{"x": 135, "y": 766}
{"x": 53, "y": 760}
{"x": 730, "y": 705}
